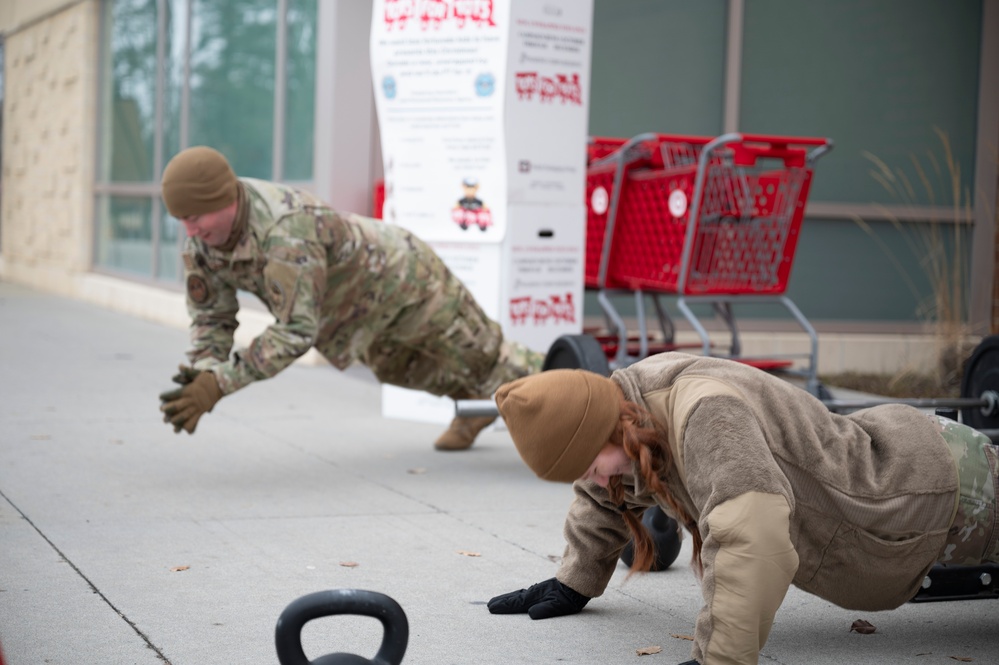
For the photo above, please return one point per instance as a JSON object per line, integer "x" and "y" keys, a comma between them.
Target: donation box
{"x": 482, "y": 111}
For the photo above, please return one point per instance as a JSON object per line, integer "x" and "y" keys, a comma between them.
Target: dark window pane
{"x": 657, "y": 67}
{"x": 879, "y": 272}
{"x": 124, "y": 234}
{"x": 130, "y": 92}
{"x": 171, "y": 242}
{"x": 301, "y": 90}
{"x": 877, "y": 77}
{"x": 232, "y": 81}
{"x": 176, "y": 24}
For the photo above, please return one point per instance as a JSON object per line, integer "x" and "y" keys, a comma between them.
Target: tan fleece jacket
{"x": 854, "y": 509}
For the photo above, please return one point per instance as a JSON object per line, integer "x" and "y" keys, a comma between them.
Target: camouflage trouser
{"x": 448, "y": 346}
{"x": 974, "y": 536}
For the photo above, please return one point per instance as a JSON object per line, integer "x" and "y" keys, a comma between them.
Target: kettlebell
{"x": 665, "y": 538}
{"x": 288, "y": 634}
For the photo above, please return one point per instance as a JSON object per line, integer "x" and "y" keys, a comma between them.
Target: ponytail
{"x": 645, "y": 442}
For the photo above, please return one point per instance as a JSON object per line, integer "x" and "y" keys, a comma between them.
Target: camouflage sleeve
{"x": 212, "y": 306}
{"x": 295, "y": 285}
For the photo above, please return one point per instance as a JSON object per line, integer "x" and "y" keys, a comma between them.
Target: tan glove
{"x": 183, "y": 407}
{"x": 185, "y": 374}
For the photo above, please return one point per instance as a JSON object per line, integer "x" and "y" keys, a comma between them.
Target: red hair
{"x": 645, "y": 442}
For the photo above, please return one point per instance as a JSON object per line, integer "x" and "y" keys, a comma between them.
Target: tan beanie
{"x": 560, "y": 419}
{"x": 196, "y": 181}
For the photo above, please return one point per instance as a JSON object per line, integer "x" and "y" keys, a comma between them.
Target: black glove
{"x": 544, "y": 600}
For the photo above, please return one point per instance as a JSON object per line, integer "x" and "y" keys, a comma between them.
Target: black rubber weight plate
{"x": 981, "y": 374}
{"x": 577, "y": 352}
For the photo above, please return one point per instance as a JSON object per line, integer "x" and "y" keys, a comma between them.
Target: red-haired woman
{"x": 773, "y": 487}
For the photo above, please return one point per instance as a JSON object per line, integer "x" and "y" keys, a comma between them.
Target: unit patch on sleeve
{"x": 197, "y": 289}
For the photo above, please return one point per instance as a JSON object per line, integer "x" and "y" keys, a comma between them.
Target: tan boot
{"x": 462, "y": 432}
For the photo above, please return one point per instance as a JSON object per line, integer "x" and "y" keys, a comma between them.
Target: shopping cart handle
{"x": 785, "y": 140}
{"x": 786, "y": 148}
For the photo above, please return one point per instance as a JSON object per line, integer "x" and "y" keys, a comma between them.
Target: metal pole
{"x": 989, "y": 402}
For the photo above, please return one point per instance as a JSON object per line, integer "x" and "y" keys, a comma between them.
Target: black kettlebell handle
{"x": 288, "y": 634}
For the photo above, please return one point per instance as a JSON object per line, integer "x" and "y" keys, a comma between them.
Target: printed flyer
{"x": 438, "y": 68}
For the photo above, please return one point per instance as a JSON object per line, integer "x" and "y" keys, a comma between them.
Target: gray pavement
{"x": 121, "y": 542}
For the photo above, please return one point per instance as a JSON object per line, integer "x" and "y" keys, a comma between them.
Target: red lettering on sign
{"x": 562, "y": 87}
{"x": 434, "y": 13}
{"x": 555, "y": 309}
{"x": 478, "y": 12}
{"x": 398, "y": 13}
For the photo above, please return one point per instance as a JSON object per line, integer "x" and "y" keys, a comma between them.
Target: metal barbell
{"x": 979, "y": 404}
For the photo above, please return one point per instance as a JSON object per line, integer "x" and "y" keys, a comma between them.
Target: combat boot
{"x": 462, "y": 432}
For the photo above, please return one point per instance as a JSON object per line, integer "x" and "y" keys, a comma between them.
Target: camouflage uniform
{"x": 974, "y": 534}
{"x": 355, "y": 288}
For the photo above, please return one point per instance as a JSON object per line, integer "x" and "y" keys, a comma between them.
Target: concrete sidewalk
{"x": 121, "y": 542}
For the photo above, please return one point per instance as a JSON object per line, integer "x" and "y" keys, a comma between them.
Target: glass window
{"x": 299, "y": 130}
{"x": 879, "y": 78}
{"x": 124, "y": 233}
{"x": 131, "y": 93}
{"x": 171, "y": 242}
{"x": 217, "y": 88}
{"x": 232, "y": 81}
{"x": 911, "y": 265}
{"x": 175, "y": 33}
{"x": 657, "y": 67}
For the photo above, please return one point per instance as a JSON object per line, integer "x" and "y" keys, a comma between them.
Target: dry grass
{"x": 904, "y": 385}
{"x": 943, "y": 263}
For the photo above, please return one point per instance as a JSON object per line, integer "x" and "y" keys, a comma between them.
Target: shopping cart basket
{"x": 717, "y": 223}
{"x": 610, "y": 160}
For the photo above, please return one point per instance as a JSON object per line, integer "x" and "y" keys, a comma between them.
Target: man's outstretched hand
{"x": 183, "y": 407}
{"x": 544, "y": 600}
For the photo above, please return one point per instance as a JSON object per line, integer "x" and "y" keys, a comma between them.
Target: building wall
{"x": 48, "y": 147}
{"x": 17, "y": 14}
{"x": 51, "y": 85}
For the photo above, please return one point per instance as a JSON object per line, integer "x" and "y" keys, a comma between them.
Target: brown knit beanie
{"x": 196, "y": 181}
{"x": 560, "y": 419}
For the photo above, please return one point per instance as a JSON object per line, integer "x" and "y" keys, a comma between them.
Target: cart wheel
{"x": 577, "y": 352}
{"x": 288, "y": 634}
{"x": 981, "y": 377}
{"x": 665, "y": 537}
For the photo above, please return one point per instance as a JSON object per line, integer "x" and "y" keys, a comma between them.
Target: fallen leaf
{"x": 467, "y": 553}
{"x": 417, "y": 471}
{"x": 177, "y": 569}
{"x": 682, "y": 637}
{"x": 963, "y": 659}
{"x": 648, "y": 651}
{"x": 349, "y": 564}
{"x": 863, "y": 627}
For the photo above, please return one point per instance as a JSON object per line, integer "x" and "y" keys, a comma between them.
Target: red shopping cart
{"x": 708, "y": 220}
{"x": 610, "y": 161}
